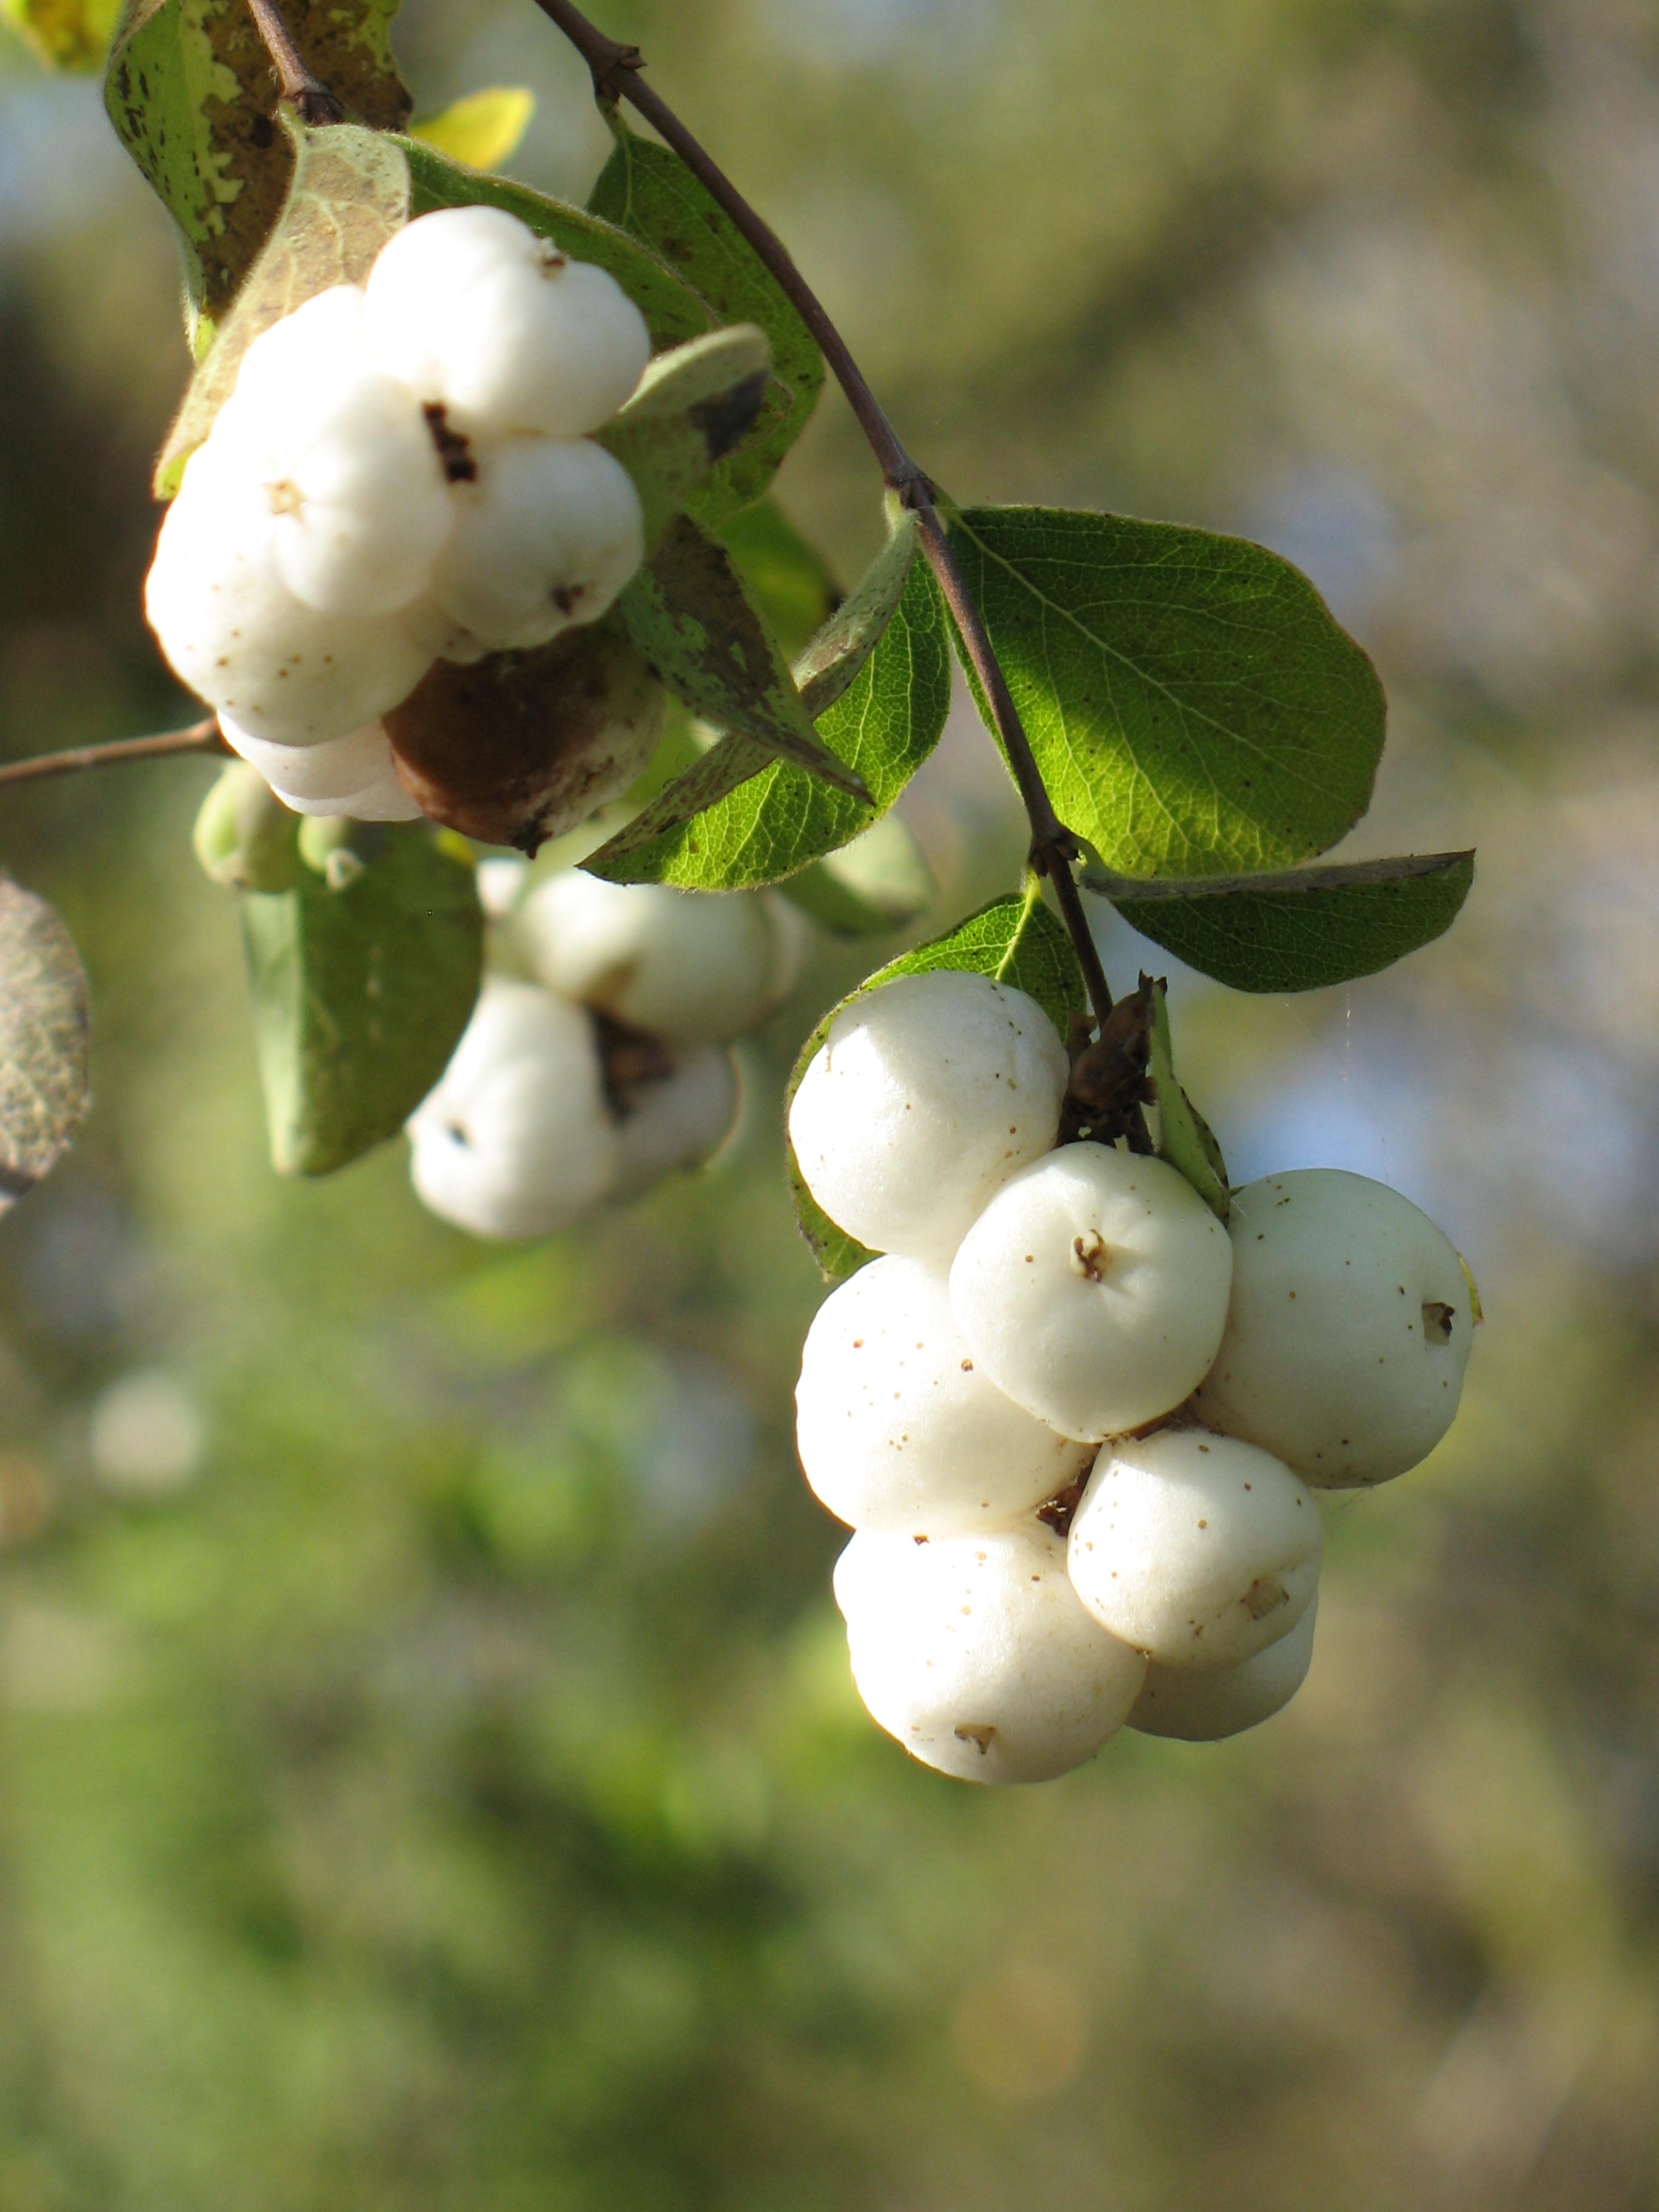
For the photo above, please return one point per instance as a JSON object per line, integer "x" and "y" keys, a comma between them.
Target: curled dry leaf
{"x": 43, "y": 1039}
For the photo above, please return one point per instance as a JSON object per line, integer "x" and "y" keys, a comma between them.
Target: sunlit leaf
{"x": 65, "y": 34}
{"x": 647, "y": 190}
{"x": 1192, "y": 703}
{"x": 692, "y": 406}
{"x": 482, "y": 131}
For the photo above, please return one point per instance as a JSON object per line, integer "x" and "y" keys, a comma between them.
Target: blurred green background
{"x": 430, "y": 1776}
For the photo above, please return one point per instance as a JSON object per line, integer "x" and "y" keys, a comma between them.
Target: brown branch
{"x": 310, "y": 98}
{"x": 199, "y": 737}
{"x": 615, "y": 72}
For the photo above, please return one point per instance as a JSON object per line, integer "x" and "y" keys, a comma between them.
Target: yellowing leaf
{"x": 483, "y": 130}
{"x": 66, "y": 34}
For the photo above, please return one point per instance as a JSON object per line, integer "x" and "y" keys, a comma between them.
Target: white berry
{"x": 545, "y": 534}
{"x": 344, "y": 459}
{"x": 1093, "y": 1289}
{"x": 1201, "y": 1707}
{"x": 897, "y": 1428}
{"x": 974, "y": 1653}
{"x": 1349, "y": 1332}
{"x": 236, "y": 635}
{"x": 354, "y": 775}
{"x": 925, "y": 1096}
{"x": 516, "y": 1139}
{"x": 505, "y": 332}
{"x": 675, "y": 1121}
{"x": 1197, "y": 1549}
{"x": 685, "y": 965}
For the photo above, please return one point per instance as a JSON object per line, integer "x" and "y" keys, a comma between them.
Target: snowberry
{"x": 1349, "y": 1331}
{"x": 1197, "y": 1549}
{"x": 345, "y": 464}
{"x": 897, "y": 1428}
{"x": 499, "y": 328}
{"x": 675, "y": 1120}
{"x": 233, "y": 632}
{"x": 525, "y": 746}
{"x": 682, "y": 965}
{"x": 545, "y": 534}
{"x": 354, "y": 775}
{"x": 925, "y": 1096}
{"x": 1200, "y": 1706}
{"x": 974, "y": 1653}
{"x": 516, "y": 1139}
{"x": 1093, "y": 1289}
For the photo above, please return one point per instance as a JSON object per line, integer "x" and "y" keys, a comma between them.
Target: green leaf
{"x": 1014, "y": 940}
{"x": 192, "y": 95}
{"x": 43, "y": 1040}
{"x": 350, "y": 196}
{"x": 692, "y": 406}
{"x": 1192, "y": 704}
{"x": 689, "y": 614}
{"x": 361, "y": 993}
{"x": 1301, "y": 930}
{"x": 65, "y": 34}
{"x": 673, "y": 311}
{"x": 482, "y": 131}
{"x": 734, "y": 820}
{"x": 872, "y": 886}
{"x": 793, "y": 583}
{"x": 648, "y": 191}
{"x": 1183, "y": 1137}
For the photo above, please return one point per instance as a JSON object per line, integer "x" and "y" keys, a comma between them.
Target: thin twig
{"x": 200, "y": 737}
{"x": 615, "y": 71}
{"x": 310, "y": 98}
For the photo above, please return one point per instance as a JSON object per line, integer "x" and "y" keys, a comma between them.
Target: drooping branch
{"x": 615, "y": 71}
{"x": 310, "y": 99}
{"x": 200, "y": 737}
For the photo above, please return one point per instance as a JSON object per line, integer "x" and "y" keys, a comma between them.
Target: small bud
{"x": 338, "y": 849}
{"x": 521, "y": 747}
{"x": 245, "y": 838}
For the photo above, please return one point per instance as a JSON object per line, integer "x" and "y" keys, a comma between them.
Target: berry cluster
{"x": 402, "y": 474}
{"x": 597, "y": 1060}
{"x": 1076, "y": 1423}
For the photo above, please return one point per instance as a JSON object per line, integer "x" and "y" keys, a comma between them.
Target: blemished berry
{"x": 1200, "y": 1707}
{"x": 1093, "y": 1289}
{"x": 521, "y": 747}
{"x": 545, "y": 533}
{"x": 684, "y": 965}
{"x": 1198, "y": 1549}
{"x": 898, "y": 1429}
{"x": 973, "y": 1653}
{"x": 516, "y": 1138}
{"x": 479, "y": 316}
{"x": 1349, "y": 1331}
{"x": 235, "y": 635}
{"x": 926, "y": 1095}
{"x": 354, "y": 775}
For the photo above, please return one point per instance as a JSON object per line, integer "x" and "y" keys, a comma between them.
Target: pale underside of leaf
{"x": 193, "y": 97}
{"x": 694, "y": 403}
{"x": 43, "y": 1039}
{"x": 1192, "y": 704}
{"x": 1014, "y": 940}
{"x": 1300, "y": 929}
{"x": 350, "y": 196}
